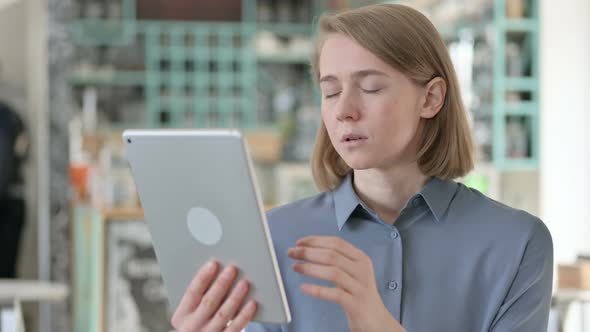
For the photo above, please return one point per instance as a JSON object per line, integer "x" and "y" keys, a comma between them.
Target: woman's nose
{"x": 347, "y": 108}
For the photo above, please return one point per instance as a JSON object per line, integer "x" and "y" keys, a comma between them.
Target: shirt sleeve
{"x": 260, "y": 327}
{"x": 526, "y": 306}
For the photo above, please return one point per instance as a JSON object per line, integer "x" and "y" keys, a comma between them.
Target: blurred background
{"x": 77, "y": 255}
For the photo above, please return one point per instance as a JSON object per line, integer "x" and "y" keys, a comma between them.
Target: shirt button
{"x": 393, "y": 235}
{"x": 392, "y": 285}
{"x": 416, "y": 202}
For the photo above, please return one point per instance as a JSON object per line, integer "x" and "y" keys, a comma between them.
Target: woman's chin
{"x": 359, "y": 164}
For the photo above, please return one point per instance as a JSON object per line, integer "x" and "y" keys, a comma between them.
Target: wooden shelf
{"x": 126, "y": 214}
{"x": 286, "y": 29}
{"x": 283, "y": 58}
{"x": 114, "y": 78}
{"x": 123, "y": 214}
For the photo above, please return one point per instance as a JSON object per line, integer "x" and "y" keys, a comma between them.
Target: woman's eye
{"x": 330, "y": 95}
{"x": 371, "y": 90}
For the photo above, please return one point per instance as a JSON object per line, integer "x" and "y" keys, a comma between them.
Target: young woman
{"x": 392, "y": 243}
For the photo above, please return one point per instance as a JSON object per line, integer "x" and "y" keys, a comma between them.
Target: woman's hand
{"x": 351, "y": 270}
{"x": 206, "y": 305}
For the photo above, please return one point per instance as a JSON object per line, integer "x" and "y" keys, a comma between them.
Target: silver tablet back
{"x": 200, "y": 201}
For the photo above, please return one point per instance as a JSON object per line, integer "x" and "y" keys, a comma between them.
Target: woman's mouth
{"x": 353, "y": 139}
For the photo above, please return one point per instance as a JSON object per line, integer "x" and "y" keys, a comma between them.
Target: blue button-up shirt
{"x": 454, "y": 260}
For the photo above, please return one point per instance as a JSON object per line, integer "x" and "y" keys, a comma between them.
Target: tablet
{"x": 201, "y": 202}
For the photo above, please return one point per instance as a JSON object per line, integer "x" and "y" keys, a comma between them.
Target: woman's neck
{"x": 387, "y": 191}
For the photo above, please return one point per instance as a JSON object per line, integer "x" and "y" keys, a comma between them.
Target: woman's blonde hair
{"x": 406, "y": 40}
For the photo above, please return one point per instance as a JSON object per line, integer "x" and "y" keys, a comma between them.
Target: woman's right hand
{"x": 206, "y": 305}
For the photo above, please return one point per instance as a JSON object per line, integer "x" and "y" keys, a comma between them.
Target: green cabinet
{"x": 516, "y": 84}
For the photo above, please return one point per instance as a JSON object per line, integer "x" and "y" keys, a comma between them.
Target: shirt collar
{"x": 437, "y": 193}
{"x": 345, "y": 201}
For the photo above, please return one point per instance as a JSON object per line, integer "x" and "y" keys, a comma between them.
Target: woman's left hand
{"x": 351, "y": 270}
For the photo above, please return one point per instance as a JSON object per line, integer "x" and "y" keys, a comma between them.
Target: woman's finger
{"x": 243, "y": 318}
{"x": 230, "y": 307}
{"x": 194, "y": 293}
{"x": 328, "y": 273}
{"x": 214, "y": 296}
{"x": 323, "y": 256}
{"x": 335, "y": 243}
{"x": 332, "y": 294}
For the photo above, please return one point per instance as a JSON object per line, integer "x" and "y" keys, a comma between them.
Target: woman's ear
{"x": 434, "y": 97}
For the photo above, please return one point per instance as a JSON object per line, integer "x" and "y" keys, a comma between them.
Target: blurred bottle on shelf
{"x": 516, "y": 138}
{"x": 94, "y": 10}
{"x": 114, "y": 10}
{"x": 515, "y": 8}
{"x": 264, "y": 11}
{"x": 514, "y": 60}
{"x": 284, "y": 108}
{"x": 79, "y": 163}
{"x": 284, "y": 12}
{"x": 308, "y": 120}
{"x": 89, "y": 111}
{"x": 302, "y": 11}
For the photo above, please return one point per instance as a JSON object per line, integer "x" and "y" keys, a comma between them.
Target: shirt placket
{"x": 394, "y": 284}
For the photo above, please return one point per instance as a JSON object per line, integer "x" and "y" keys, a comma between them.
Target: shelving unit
{"x": 113, "y": 31}
{"x": 197, "y": 74}
{"x": 286, "y": 29}
{"x": 203, "y": 74}
{"x": 111, "y": 78}
{"x": 516, "y": 122}
{"x": 284, "y": 58}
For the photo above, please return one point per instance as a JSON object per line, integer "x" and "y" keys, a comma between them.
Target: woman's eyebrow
{"x": 328, "y": 78}
{"x": 355, "y": 75}
{"x": 367, "y": 72}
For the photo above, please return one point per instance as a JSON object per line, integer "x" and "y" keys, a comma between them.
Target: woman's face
{"x": 371, "y": 111}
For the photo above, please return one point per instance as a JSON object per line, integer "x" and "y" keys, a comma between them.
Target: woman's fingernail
{"x": 210, "y": 266}
{"x": 243, "y": 284}
{"x": 229, "y": 270}
{"x": 251, "y": 304}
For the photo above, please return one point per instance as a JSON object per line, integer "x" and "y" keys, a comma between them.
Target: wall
{"x": 13, "y": 74}
{"x": 20, "y": 65}
{"x": 565, "y": 138}
{"x": 565, "y": 114}
{"x": 13, "y": 43}
{"x": 36, "y": 58}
